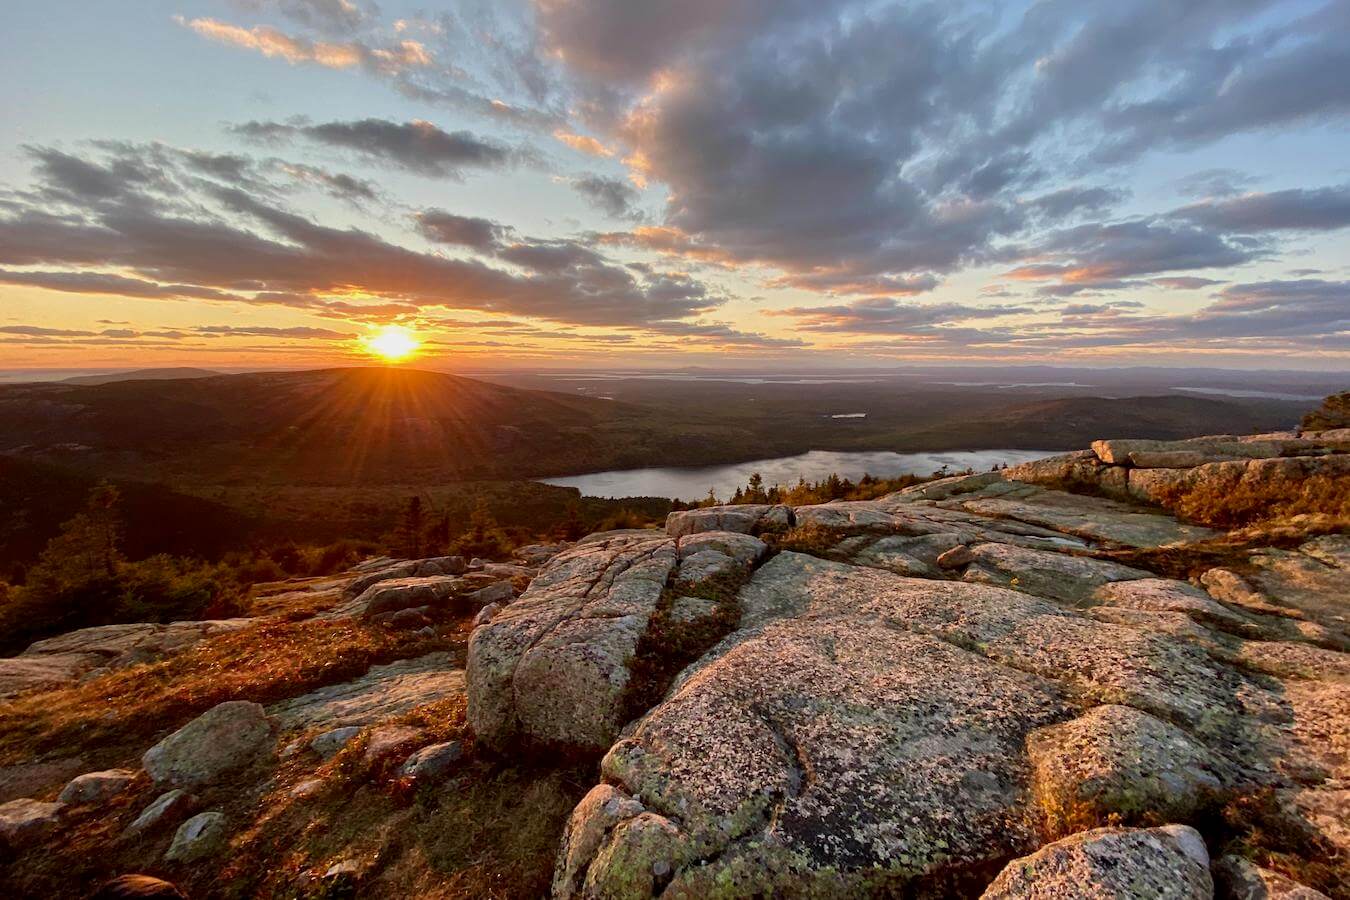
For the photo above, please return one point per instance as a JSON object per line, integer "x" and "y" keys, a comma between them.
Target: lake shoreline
{"x": 689, "y": 483}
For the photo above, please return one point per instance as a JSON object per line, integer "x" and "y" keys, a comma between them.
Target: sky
{"x": 539, "y": 183}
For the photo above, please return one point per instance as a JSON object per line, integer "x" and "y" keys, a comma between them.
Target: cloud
{"x": 331, "y": 16}
{"x": 1185, "y": 283}
{"x": 583, "y": 143}
{"x": 416, "y": 146}
{"x": 1071, "y": 201}
{"x": 795, "y": 135}
{"x": 442, "y": 227}
{"x": 394, "y": 59}
{"x": 884, "y": 315}
{"x": 611, "y": 196}
{"x": 224, "y": 243}
{"x": 1315, "y": 209}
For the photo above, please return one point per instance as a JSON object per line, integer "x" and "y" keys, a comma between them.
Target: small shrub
{"x": 1246, "y": 503}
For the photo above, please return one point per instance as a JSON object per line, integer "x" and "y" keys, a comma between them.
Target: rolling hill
{"x": 389, "y": 426}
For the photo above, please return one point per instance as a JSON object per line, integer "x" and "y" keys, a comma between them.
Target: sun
{"x": 392, "y": 344}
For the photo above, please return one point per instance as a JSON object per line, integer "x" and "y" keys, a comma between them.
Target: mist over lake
{"x": 693, "y": 482}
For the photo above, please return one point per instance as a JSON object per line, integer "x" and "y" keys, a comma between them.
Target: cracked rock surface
{"x": 954, "y": 689}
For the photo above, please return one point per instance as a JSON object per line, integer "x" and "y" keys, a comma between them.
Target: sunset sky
{"x": 254, "y": 183}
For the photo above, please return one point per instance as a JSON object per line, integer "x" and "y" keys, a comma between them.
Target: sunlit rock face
{"x": 917, "y": 694}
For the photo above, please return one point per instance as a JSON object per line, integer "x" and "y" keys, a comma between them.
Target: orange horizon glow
{"x": 392, "y": 344}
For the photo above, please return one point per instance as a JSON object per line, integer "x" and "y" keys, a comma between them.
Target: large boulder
{"x": 740, "y": 519}
{"x": 1118, "y": 764}
{"x": 864, "y": 731}
{"x": 1111, "y": 864}
{"x": 553, "y": 666}
{"x": 227, "y": 737}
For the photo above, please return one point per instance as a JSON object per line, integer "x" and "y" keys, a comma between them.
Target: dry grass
{"x": 1323, "y": 497}
{"x": 102, "y": 718}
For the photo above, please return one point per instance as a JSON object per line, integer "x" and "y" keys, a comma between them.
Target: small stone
{"x": 955, "y": 558}
{"x": 660, "y": 868}
{"x": 433, "y": 762}
{"x": 225, "y": 738}
{"x": 328, "y": 744}
{"x": 409, "y": 619}
{"x": 95, "y": 787}
{"x": 25, "y": 821}
{"x": 198, "y": 837}
{"x": 501, "y": 592}
{"x": 347, "y": 868}
{"x": 166, "y": 808}
{"x": 1241, "y": 879}
{"x": 310, "y": 787}
{"x": 486, "y": 614}
{"x": 385, "y": 740}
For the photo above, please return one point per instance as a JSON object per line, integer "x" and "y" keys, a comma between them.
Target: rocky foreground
{"x": 1028, "y": 683}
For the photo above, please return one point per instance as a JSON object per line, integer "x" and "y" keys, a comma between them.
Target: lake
{"x": 692, "y": 482}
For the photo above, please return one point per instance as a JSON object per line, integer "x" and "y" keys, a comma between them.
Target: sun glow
{"x": 392, "y": 344}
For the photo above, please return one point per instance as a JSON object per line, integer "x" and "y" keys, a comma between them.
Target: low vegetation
{"x": 110, "y": 715}
{"x": 1322, "y": 502}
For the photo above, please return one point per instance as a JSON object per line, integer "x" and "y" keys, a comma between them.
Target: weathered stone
{"x": 330, "y": 743}
{"x": 904, "y": 555}
{"x": 486, "y": 614}
{"x": 553, "y": 666}
{"x": 500, "y": 592}
{"x": 382, "y": 693}
{"x": 433, "y": 762}
{"x": 405, "y": 619}
{"x": 386, "y": 740}
{"x": 95, "y": 787}
{"x": 308, "y": 789}
{"x": 1092, "y": 518}
{"x": 741, "y": 519}
{"x": 201, "y": 836}
{"x": 1241, "y": 879}
{"x": 535, "y": 555}
{"x": 587, "y": 829}
{"x": 943, "y": 488}
{"x": 686, "y": 610}
{"x": 25, "y": 821}
{"x": 227, "y": 737}
{"x": 1111, "y": 864}
{"x": 166, "y": 809}
{"x": 442, "y": 565}
{"x": 1118, "y": 764}
{"x": 1167, "y": 595}
{"x": 1041, "y": 572}
{"x": 405, "y": 593}
{"x": 831, "y": 742}
{"x": 956, "y": 558}
{"x": 713, "y": 554}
